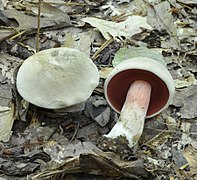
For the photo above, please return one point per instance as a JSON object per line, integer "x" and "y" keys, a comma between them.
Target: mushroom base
{"x": 129, "y": 125}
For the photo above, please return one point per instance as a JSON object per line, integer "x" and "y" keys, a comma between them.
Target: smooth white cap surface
{"x": 57, "y": 78}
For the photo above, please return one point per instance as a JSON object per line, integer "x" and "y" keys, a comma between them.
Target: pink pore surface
{"x": 119, "y": 84}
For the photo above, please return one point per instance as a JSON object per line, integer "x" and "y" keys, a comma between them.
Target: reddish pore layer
{"x": 119, "y": 85}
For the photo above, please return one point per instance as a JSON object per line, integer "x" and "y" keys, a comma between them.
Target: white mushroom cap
{"x": 57, "y": 78}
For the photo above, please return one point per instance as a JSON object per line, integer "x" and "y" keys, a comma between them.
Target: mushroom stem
{"x": 133, "y": 113}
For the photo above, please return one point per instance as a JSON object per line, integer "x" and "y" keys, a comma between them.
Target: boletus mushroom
{"x": 57, "y": 78}
{"x": 137, "y": 88}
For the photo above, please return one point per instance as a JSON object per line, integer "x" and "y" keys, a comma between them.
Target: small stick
{"x": 38, "y": 27}
{"x": 103, "y": 46}
{"x": 133, "y": 113}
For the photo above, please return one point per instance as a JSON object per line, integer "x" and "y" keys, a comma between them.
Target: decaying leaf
{"x": 7, "y": 68}
{"x": 186, "y": 99}
{"x": 17, "y": 168}
{"x": 6, "y": 122}
{"x": 87, "y": 158}
{"x": 59, "y": 153}
{"x": 188, "y": 111}
{"x": 98, "y": 110}
{"x": 188, "y": 81}
{"x": 125, "y": 53}
{"x": 82, "y": 41}
{"x": 190, "y": 154}
{"x": 70, "y": 140}
{"x": 24, "y": 21}
{"x": 178, "y": 158}
{"x": 4, "y": 20}
{"x": 114, "y": 8}
{"x": 188, "y": 1}
{"x": 110, "y": 9}
{"x": 132, "y": 25}
{"x": 186, "y": 136}
{"x": 103, "y": 72}
{"x": 171, "y": 123}
{"x": 48, "y": 10}
{"x": 160, "y": 18}
{"x": 5, "y": 33}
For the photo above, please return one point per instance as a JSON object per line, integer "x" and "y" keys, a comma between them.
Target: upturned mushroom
{"x": 57, "y": 78}
{"x": 137, "y": 88}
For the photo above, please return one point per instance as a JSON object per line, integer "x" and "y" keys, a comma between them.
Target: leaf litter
{"x": 49, "y": 144}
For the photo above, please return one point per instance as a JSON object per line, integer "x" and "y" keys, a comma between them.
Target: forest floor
{"x": 38, "y": 143}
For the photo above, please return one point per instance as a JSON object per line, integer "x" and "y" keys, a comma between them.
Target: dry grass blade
{"x": 104, "y": 45}
{"x": 38, "y": 29}
{"x": 47, "y": 174}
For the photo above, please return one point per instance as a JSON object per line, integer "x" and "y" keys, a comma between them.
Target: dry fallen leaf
{"x": 125, "y": 53}
{"x": 188, "y": 81}
{"x": 188, "y": 1}
{"x": 104, "y": 72}
{"x": 190, "y": 154}
{"x": 6, "y": 32}
{"x": 186, "y": 99}
{"x": 6, "y": 122}
{"x": 160, "y": 18}
{"x": 24, "y": 21}
{"x": 132, "y": 25}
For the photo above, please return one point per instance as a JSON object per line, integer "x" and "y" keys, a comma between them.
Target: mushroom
{"x": 57, "y": 78}
{"x": 137, "y": 88}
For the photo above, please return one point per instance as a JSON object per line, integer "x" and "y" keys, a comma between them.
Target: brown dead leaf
{"x": 190, "y": 154}
{"x": 188, "y": 1}
{"x": 6, "y": 122}
{"x": 186, "y": 99}
{"x": 6, "y": 32}
{"x": 160, "y": 18}
{"x": 27, "y": 22}
{"x": 104, "y": 72}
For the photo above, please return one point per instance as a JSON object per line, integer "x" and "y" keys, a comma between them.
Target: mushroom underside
{"x": 119, "y": 84}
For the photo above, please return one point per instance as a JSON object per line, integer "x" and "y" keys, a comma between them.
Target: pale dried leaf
{"x": 3, "y": 3}
{"x": 131, "y": 26}
{"x": 188, "y": 1}
{"x": 83, "y": 41}
{"x": 59, "y": 153}
{"x": 160, "y": 17}
{"x": 104, "y": 72}
{"x": 190, "y": 80}
{"x": 190, "y": 154}
{"x": 26, "y": 22}
{"x": 186, "y": 99}
{"x": 47, "y": 10}
{"x": 6, "y": 122}
{"x": 125, "y": 53}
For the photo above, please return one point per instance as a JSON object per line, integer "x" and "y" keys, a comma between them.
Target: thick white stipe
{"x": 133, "y": 113}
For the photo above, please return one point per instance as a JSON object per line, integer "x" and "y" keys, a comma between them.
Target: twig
{"x": 4, "y": 97}
{"x": 67, "y": 3}
{"x": 47, "y": 173}
{"x": 17, "y": 35}
{"x": 104, "y": 45}
{"x": 38, "y": 27}
{"x": 76, "y": 130}
{"x": 64, "y": 3}
{"x": 171, "y": 131}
